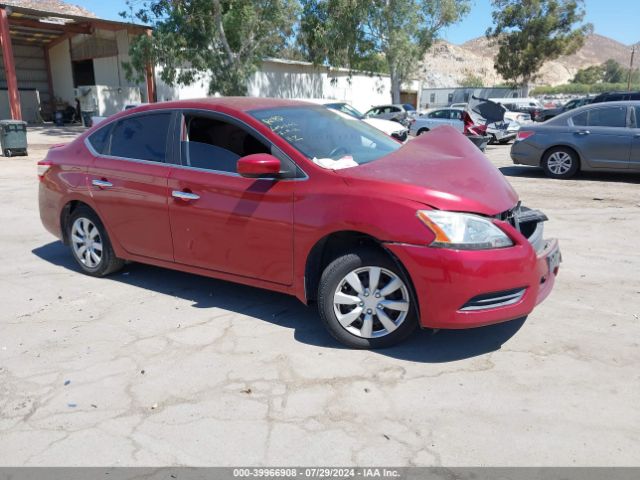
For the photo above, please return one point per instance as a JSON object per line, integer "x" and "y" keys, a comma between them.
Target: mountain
{"x": 53, "y": 6}
{"x": 446, "y": 64}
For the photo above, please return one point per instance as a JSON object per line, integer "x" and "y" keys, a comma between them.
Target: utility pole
{"x": 633, "y": 51}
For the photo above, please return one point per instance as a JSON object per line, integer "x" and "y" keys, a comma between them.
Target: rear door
{"x": 602, "y": 136}
{"x": 226, "y": 222}
{"x": 128, "y": 178}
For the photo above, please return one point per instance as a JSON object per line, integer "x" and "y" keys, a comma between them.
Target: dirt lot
{"x": 153, "y": 367}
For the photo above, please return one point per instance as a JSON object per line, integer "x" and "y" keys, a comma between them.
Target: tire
{"x": 98, "y": 262}
{"x": 493, "y": 140}
{"x": 561, "y": 163}
{"x": 8, "y": 153}
{"x": 357, "y": 319}
{"x": 505, "y": 142}
{"x": 421, "y": 131}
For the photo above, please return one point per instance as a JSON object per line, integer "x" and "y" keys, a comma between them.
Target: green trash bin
{"x": 13, "y": 137}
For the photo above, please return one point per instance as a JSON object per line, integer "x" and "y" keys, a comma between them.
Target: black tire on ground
{"x": 492, "y": 140}
{"x": 108, "y": 263}
{"x": 8, "y": 152}
{"x": 421, "y": 131}
{"x": 504, "y": 142}
{"x": 571, "y": 163}
{"x": 332, "y": 278}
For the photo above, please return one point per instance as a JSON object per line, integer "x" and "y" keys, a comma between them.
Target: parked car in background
{"x": 596, "y": 137}
{"x": 401, "y": 113}
{"x": 513, "y": 117}
{"x": 454, "y": 117}
{"x": 549, "y": 113}
{"x": 499, "y": 132}
{"x": 393, "y": 129}
{"x": 616, "y": 97}
{"x": 529, "y": 106}
{"x": 278, "y": 194}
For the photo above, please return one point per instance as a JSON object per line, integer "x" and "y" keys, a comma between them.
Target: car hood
{"x": 440, "y": 168}
{"x": 387, "y": 126}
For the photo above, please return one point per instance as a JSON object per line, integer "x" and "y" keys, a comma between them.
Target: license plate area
{"x": 554, "y": 258}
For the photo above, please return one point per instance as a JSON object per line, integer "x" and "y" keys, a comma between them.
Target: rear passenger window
{"x": 141, "y": 137}
{"x": 637, "y": 112}
{"x": 580, "y": 120}
{"x": 608, "y": 117}
{"x": 99, "y": 140}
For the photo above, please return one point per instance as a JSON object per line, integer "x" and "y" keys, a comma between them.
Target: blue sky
{"x": 607, "y": 16}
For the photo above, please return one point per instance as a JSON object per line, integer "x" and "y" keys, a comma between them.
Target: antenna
{"x": 633, "y": 51}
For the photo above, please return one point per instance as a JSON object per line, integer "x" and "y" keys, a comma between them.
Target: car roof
{"x": 242, "y": 104}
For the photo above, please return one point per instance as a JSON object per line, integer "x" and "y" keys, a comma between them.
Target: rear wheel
{"x": 90, "y": 244}
{"x": 560, "y": 162}
{"x": 365, "y": 300}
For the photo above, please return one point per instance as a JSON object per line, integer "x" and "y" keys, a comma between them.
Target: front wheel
{"x": 365, "y": 300}
{"x": 560, "y": 162}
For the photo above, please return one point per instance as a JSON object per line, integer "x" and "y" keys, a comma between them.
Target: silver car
{"x": 500, "y": 132}
{"x": 596, "y": 137}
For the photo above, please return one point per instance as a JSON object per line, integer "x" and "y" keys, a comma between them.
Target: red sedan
{"x": 297, "y": 198}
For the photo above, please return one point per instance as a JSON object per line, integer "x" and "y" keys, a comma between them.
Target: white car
{"x": 393, "y": 129}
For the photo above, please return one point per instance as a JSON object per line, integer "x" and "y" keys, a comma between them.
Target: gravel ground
{"x": 154, "y": 367}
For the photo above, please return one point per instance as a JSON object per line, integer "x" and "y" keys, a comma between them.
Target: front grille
{"x": 402, "y": 136}
{"x": 528, "y": 222}
{"x": 494, "y": 300}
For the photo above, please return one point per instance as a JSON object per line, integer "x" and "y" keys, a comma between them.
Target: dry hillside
{"x": 446, "y": 64}
{"x": 53, "y": 6}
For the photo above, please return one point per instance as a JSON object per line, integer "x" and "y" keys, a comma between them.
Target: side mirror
{"x": 259, "y": 165}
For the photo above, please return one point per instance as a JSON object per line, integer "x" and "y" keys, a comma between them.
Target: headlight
{"x": 463, "y": 231}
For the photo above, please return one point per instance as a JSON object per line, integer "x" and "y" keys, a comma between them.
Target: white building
{"x": 293, "y": 79}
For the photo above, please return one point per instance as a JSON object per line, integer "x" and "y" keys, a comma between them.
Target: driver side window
{"x": 213, "y": 144}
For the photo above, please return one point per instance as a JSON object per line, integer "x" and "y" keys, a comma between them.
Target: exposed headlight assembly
{"x": 463, "y": 231}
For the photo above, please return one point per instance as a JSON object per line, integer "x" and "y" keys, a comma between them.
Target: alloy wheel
{"x": 371, "y": 302}
{"x": 86, "y": 242}
{"x": 559, "y": 163}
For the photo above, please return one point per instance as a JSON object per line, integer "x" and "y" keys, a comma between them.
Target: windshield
{"x": 345, "y": 108}
{"x": 320, "y": 133}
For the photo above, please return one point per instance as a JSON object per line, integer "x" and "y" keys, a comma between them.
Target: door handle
{"x": 583, "y": 132}
{"x": 101, "y": 183}
{"x": 184, "y": 195}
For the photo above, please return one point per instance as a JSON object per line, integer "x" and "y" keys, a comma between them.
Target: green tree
{"x": 589, "y": 75}
{"x": 531, "y": 32}
{"x": 360, "y": 34}
{"x": 225, "y": 40}
{"x": 613, "y": 72}
{"x": 472, "y": 80}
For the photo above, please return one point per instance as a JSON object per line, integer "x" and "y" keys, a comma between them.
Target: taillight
{"x": 524, "y": 134}
{"x": 43, "y": 167}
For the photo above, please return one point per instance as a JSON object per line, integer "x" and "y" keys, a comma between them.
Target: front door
{"x": 128, "y": 179}
{"x": 220, "y": 220}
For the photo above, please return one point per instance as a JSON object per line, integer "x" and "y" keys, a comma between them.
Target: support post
{"x": 151, "y": 81}
{"x": 9, "y": 66}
